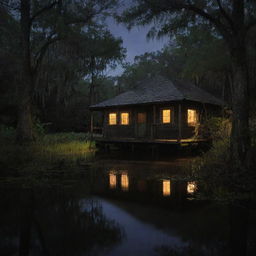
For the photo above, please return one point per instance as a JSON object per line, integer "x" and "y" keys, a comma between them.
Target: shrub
{"x": 217, "y": 128}
{"x": 218, "y": 176}
{"x": 6, "y": 131}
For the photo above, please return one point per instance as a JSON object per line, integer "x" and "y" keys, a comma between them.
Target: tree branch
{"x": 5, "y": 4}
{"x": 41, "y": 11}
{"x": 225, "y": 14}
{"x": 219, "y": 25}
{"x": 85, "y": 18}
{"x": 178, "y": 5}
{"x": 42, "y": 51}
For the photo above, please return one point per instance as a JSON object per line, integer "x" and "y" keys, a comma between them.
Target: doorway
{"x": 142, "y": 124}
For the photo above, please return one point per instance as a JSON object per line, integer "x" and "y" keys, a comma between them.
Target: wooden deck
{"x": 150, "y": 141}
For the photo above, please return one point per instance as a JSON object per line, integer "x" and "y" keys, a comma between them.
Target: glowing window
{"x": 112, "y": 119}
{"x": 124, "y": 118}
{"x": 191, "y": 187}
{"x": 166, "y": 187}
{"x": 124, "y": 182}
{"x": 112, "y": 180}
{"x": 166, "y": 116}
{"x": 192, "y": 117}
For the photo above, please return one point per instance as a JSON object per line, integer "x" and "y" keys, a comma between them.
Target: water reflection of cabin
{"x": 121, "y": 181}
{"x": 157, "y": 110}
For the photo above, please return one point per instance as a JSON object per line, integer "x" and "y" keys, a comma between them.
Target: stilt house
{"x": 158, "y": 109}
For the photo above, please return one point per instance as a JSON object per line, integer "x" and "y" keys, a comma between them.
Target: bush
{"x": 217, "y": 174}
{"x": 217, "y": 128}
{"x": 39, "y": 128}
{"x": 7, "y": 131}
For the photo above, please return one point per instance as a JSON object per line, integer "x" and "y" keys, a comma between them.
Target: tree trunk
{"x": 25, "y": 125}
{"x": 92, "y": 95}
{"x": 240, "y": 136}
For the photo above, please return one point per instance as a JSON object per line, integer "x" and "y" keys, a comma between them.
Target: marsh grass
{"x": 52, "y": 151}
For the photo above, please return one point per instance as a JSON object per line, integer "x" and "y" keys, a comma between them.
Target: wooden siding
{"x": 155, "y": 130}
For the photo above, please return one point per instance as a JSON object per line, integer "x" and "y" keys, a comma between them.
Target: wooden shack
{"x": 157, "y": 110}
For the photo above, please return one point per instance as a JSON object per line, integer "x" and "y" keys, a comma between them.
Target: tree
{"x": 234, "y": 22}
{"x": 69, "y": 70}
{"x": 9, "y": 67}
{"x": 198, "y": 55}
{"x": 103, "y": 50}
{"x": 43, "y": 23}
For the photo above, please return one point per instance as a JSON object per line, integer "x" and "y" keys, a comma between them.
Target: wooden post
{"x": 103, "y": 123}
{"x": 153, "y": 123}
{"x": 91, "y": 130}
{"x": 179, "y": 123}
{"x": 135, "y": 121}
{"x": 91, "y": 124}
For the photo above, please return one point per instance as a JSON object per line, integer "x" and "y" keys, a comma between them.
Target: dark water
{"x": 116, "y": 208}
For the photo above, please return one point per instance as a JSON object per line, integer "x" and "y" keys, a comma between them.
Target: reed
{"x": 48, "y": 151}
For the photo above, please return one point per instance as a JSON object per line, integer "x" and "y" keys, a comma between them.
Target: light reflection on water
{"x": 112, "y": 180}
{"x": 118, "y": 208}
{"x": 143, "y": 185}
{"x": 124, "y": 181}
{"x": 166, "y": 187}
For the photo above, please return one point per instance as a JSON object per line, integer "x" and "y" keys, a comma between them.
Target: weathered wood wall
{"x": 155, "y": 129}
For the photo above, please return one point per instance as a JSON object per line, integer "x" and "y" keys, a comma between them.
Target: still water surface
{"x": 115, "y": 208}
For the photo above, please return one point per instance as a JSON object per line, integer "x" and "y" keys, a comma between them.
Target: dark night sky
{"x": 135, "y": 41}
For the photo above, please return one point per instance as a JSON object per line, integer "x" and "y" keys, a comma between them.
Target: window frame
{"x": 120, "y": 117}
{"x": 109, "y": 113}
{"x": 197, "y": 117}
{"x": 171, "y": 115}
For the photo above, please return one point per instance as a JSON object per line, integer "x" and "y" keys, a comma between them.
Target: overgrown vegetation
{"x": 49, "y": 152}
{"x": 216, "y": 172}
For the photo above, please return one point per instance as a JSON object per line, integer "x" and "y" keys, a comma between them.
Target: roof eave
{"x": 95, "y": 107}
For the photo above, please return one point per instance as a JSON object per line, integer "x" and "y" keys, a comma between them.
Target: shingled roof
{"x": 157, "y": 90}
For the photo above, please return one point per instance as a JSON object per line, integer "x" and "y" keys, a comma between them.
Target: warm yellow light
{"x": 112, "y": 180}
{"x": 124, "y": 181}
{"x": 191, "y": 187}
{"x": 166, "y": 187}
{"x": 124, "y": 118}
{"x": 166, "y": 116}
{"x": 112, "y": 119}
{"x": 192, "y": 117}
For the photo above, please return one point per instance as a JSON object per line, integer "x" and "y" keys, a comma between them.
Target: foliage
{"x": 50, "y": 151}
{"x": 149, "y": 64}
{"x": 217, "y": 174}
{"x": 233, "y": 22}
{"x": 64, "y": 37}
{"x": 54, "y": 45}
{"x": 6, "y": 131}
{"x": 68, "y": 63}
{"x": 39, "y": 128}
{"x": 198, "y": 55}
{"x": 217, "y": 128}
